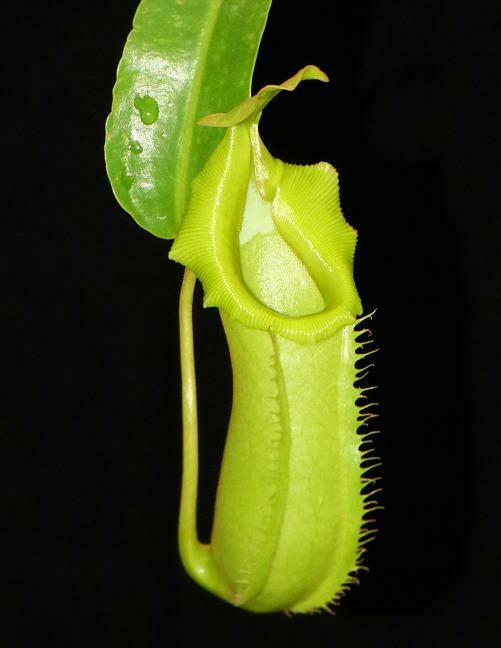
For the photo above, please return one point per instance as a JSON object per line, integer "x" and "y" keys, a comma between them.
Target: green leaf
{"x": 183, "y": 60}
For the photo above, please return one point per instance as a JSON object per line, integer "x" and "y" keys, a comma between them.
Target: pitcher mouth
{"x": 243, "y": 193}
{"x": 297, "y": 208}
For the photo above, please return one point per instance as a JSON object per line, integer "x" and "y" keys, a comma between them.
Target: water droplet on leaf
{"x": 148, "y": 109}
{"x": 127, "y": 180}
{"x": 136, "y": 147}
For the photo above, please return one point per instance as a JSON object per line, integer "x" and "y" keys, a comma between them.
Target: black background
{"x": 91, "y": 405}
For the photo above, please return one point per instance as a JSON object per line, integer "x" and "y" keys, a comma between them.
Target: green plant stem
{"x": 188, "y": 513}
{"x": 196, "y": 556}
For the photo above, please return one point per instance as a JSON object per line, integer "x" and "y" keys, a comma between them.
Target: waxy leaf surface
{"x": 183, "y": 60}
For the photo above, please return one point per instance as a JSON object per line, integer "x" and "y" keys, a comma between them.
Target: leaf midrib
{"x": 189, "y": 121}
